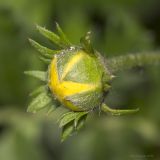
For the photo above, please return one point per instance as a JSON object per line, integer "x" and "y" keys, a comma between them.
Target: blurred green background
{"x": 118, "y": 27}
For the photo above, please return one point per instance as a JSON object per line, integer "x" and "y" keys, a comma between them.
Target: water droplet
{"x": 72, "y": 48}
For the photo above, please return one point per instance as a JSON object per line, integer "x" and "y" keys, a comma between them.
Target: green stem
{"x": 121, "y": 63}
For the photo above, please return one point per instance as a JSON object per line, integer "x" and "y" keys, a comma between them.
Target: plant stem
{"x": 105, "y": 108}
{"x": 129, "y": 61}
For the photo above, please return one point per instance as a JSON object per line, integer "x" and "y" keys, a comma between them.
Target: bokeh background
{"x": 118, "y": 27}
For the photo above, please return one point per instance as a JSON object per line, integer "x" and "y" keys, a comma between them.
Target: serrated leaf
{"x": 78, "y": 117}
{"x": 46, "y": 52}
{"x": 39, "y": 102}
{"x": 67, "y": 131}
{"x": 68, "y": 117}
{"x": 86, "y": 43}
{"x": 63, "y": 36}
{"x": 38, "y": 90}
{"x": 41, "y": 75}
{"x": 51, "y": 36}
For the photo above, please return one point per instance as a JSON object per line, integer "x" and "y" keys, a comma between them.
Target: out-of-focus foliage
{"x": 118, "y": 27}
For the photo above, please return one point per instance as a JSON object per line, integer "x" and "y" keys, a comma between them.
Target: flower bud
{"x": 75, "y": 79}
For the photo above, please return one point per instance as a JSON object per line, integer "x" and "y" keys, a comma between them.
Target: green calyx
{"x": 76, "y": 80}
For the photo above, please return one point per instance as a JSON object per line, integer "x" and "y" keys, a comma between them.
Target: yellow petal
{"x": 66, "y": 88}
{"x": 75, "y": 59}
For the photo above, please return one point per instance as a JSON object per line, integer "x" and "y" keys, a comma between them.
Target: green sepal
{"x": 46, "y": 52}
{"x": 86, "y": 43}
{"x": 105, "y": 81}
{"x": 86, "y": 100}
{"x": 41, "y": 75}
{"x": 38, "y": 90}
{"x": 39, "y": 102}
{"x": 52, "y": 36}
{"x": 106, "y": 87}
{"x": 63, "y": 36}
{"x": 45, "y": 60}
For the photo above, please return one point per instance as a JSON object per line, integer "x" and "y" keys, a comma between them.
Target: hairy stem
{"x": 107, "y": 109}
{"x": 121, "y": 63}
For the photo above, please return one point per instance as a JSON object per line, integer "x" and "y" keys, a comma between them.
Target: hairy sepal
{"x": 86, "y": 43}
{"x": 44, "y": 51}
{"x": 63, "y": 36}
{"x": 52, "y": 37}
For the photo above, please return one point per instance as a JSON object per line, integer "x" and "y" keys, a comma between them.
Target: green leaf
{"x": 66, "y": 118}
{"x": 67, "y": 131}
{"x": 51, "y": 36}
{"x": 41, "y": 75}
{"x": 39, "y": 102}
{"x": 63, "y": 36}
{"x": 38, "y": 90}
{"x": 46, "y": 52}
